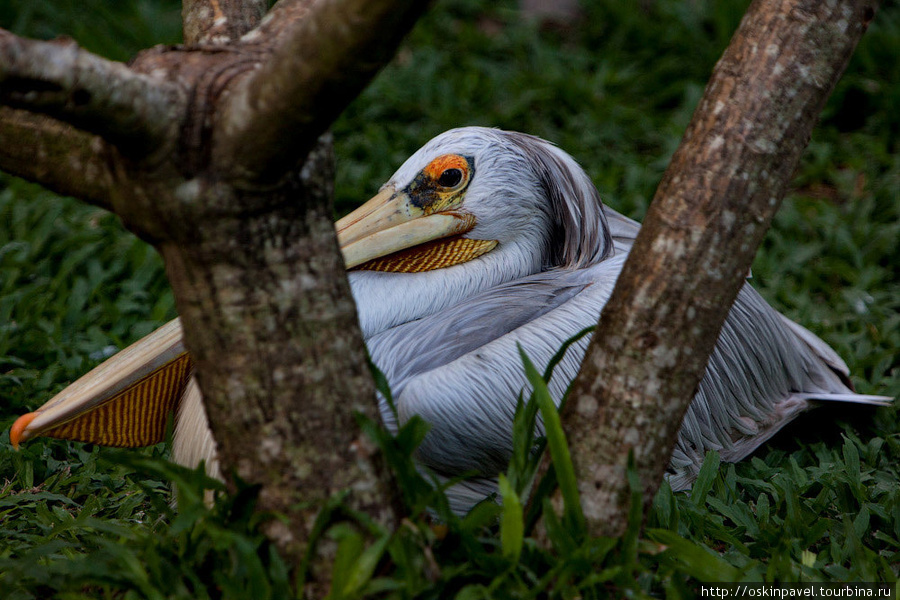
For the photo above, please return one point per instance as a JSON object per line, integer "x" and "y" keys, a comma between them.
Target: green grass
{"x": 820, "y": 502}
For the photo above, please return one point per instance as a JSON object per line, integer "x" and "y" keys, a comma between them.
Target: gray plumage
{"x": 457, "y": 364}
{"x": 447, "y": 339}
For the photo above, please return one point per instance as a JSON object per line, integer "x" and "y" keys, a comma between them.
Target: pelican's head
{"x": 474, "y": 191}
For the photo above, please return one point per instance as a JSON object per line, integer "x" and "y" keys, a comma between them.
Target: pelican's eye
{"x": 450, "y": 178}
{"x": 449, "y": 172}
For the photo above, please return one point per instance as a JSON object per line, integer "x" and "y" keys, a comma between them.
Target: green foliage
{"x": 559, "y": 449}
{"x": 110, "y": 528}
{"x": 820, "y": 502}
{"x": 116, "y": 30}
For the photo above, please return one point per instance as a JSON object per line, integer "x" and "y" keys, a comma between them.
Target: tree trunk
{"x": 201, "y": 150}
{"x": 709, "y": 214}
{"x": 209, "y": 152}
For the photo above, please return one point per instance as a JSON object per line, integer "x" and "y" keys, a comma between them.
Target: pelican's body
{"x": 485, "y": 240}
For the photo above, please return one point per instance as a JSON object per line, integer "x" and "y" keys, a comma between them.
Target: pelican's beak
{"x": 391, "y": 222}
{"x": 125, "y": 402}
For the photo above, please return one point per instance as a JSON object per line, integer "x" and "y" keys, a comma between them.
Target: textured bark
{"x": 61, "y": 158}
{"x": 708, "y": 216}
{"x": 254, "y": 264}
{"x": 104, "y": 97}
{"x": 279, "y": 356}
{"x": 219, "y": 21}
{"x": 351, "y": 39}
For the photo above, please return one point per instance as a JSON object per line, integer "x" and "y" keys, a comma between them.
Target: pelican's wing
{"x": 461, "y": 371}
{"x": 761, "y": 375}
{"x": 432, "y": 342}
{"x": 192, "y": 440}
{"x": 820, "y": 348}
{"x": 126, "y": 401}
{"x": 625, "y": 230}
{"x": 764, "y": 372}
{"x": 469, "y": 394}
{"x": 622, "y": 229}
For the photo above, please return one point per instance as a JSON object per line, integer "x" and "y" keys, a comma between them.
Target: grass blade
{"x": 559, "y": 449}
{"x": 705, "y": 478}
{"x": 512, "y": 528}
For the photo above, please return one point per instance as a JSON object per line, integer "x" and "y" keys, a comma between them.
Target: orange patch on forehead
{"x": 449, "y": 161}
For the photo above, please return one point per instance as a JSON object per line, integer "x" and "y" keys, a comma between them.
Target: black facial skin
{"x": 424, "y": 191}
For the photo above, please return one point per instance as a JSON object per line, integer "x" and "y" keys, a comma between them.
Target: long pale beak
{"x": 390, "y": 222}
{"x": 126, "y": 400}
{"x": 149, "y": 376}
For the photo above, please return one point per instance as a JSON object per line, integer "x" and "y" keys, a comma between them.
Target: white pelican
{"x": 481, "y": 240}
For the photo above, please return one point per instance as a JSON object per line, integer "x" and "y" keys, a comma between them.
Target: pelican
{"x": 482, "y": 240}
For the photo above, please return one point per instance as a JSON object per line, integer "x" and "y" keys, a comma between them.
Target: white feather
{"x": 192, "y": 440}
{"x": 447, "y": 339}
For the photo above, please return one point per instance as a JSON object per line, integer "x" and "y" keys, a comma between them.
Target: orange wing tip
{"x": 18, "y": 428}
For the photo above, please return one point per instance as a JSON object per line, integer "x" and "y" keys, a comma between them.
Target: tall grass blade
{"x": 512, "y": 528}
{"x": 705, "y": 478}
{"x": 559, "y": 449}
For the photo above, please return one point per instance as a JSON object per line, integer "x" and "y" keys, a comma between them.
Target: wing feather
{"x": 762, "y": 374}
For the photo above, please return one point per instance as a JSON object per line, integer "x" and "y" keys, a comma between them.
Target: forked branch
{"x": 320, "y": 63}
{"x": 100, "y": 96}
{"x": 255, "y": 270}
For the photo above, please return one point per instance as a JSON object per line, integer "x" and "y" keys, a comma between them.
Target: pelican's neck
{"x": 385, "y": 300}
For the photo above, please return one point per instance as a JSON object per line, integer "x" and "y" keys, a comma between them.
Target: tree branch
{"x": 330, "y": 52}
{"x": 711, "y": 210}
{"x": 59, "y": 157}
{"x": 59, "y": 79}
{"x": 256, "y": 270}
{"x": 219, "y": 21}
